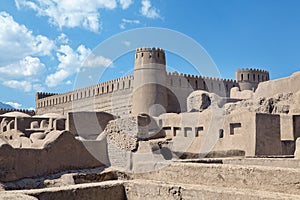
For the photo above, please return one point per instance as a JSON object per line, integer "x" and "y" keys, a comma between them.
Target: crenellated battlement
{"x": 41, "y": 95}
{"x": 204, "y": 78}
{"x": 144, "y": 56}
{"x": 147, "y": 49}
{"x": 249, "y": 78}
{"x": 26, "y": 111}
{"x": 252, "y": 75}
{"x": 103, "y": 88}
{"x": 253, "y": 70}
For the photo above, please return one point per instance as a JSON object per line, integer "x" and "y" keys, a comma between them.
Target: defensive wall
{"x": 115, "y": 96}
{"x": 5, "y": 110}
{"x": 112, "y": 97}
{"x": 151, "y": 87}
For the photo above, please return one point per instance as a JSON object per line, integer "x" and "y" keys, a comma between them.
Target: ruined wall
{"x": 60, "y": 151}
{"x": 283, "y": 85}
{"x": 88, "y": 125}
{"x": 238, "y": 133}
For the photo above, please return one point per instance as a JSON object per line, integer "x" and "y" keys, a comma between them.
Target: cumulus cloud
{"x": 128, "y": 21}
{"x": 67, "y": 13}
{"x": 97, "y": 61}
{"x": 17, "y": 42}
{"x": 71, "y": 61}
{"x": 62, "y": 38}
{"x": 26, "y": 86}
{"x": 125, "y": 3}
{"x": 148, "y": 10}
{"x": 27, "y": 67}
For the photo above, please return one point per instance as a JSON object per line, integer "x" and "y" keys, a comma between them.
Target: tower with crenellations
{"x": 150, "y": 79}
{"x": 248, "y": 79}
{"x": 151, "y": 90}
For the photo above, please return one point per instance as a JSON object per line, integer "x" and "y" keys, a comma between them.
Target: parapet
{"x": 146, "y": 55}
{"x": 41, "y": 95}
{"x": 26, "y": 111}
{"x": 253, "y": 70}
{"x": 252, "y": 75}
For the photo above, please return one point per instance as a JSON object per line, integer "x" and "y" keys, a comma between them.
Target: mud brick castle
{"x": 150, "y": 85}
{"x": 157, "y": 134}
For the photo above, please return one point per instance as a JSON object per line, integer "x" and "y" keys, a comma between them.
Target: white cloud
{"x": 68, "y": 13}
{"x": 97, "y": 61}
{"x": 20, "y": 65}
{"x": 17, "y": 42}
{"x": 55, "y": 79}
{"x": 27, "y": 67}
{"x": 62, "y": 38}
{"x": 148, "y": 11}
{"x": 68, "y": 82}
{"x": 14, "y": 104}
{"x": 125, "y": 3}
{"x": 71, "y": 61}
{"x": 26, "y": 86}
{"x": 128, "y": 21}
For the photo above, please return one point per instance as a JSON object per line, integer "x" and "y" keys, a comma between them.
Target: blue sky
{"x": 43, "y": 43}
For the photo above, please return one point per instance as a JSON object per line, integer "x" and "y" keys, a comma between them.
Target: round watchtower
{"x": 150, "y": 93}
{"x": 248, "y": 79}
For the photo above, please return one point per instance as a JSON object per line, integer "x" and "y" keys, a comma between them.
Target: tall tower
{"x": 248, "y": 79}
{"x": 150, "y": 76}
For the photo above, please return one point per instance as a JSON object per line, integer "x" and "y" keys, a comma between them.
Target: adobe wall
{"x": 252, "y": 178}
{"x": 60, "y": 151}
{"x": 112, "y": 97}
{"x": 115, "y": 96}
{"x": 238, "y": 133}
{"x": 88, "y": 125}
{"x": 180, "y": 86}
{"x": 283, "y": 85}
{"x": 91, "y": 191}
{"x": 210, "y": 130}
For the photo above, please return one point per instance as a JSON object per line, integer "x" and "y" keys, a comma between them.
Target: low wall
{"x": 60, "y": 152}
{"x": 270, "y": 179}
{"x": 88, "y": 124}
{"x": 91, "y": 191}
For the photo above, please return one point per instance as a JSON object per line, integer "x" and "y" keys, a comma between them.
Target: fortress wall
{"x": 215, "y": 85}
{"x": 29, "y": 112}
{"x": 181, "y": 85}
{"x": 112, "y": 96}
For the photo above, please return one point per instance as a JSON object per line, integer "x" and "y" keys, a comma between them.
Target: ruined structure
{"x": 159, "y": 135}
{"x": 246, "y": 120}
